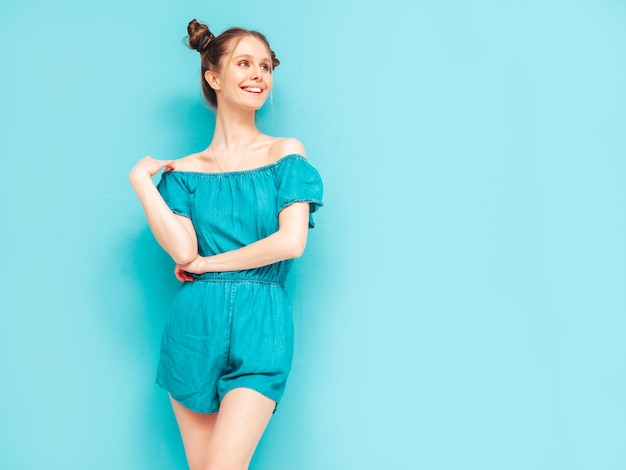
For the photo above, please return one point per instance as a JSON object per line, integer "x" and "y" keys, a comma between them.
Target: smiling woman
{"x": 224, "y": 47}
{"x": 233, "y": 217}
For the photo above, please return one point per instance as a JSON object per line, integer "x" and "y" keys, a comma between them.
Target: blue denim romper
{"x": 232, "y": 329}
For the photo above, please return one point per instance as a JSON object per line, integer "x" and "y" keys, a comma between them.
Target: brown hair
{"x": 212, "y": 48}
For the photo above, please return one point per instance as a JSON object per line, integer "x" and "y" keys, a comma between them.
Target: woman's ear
{"x": 212, "y": 79}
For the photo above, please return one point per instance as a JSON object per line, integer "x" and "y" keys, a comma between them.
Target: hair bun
{"x": 199, "y": 35}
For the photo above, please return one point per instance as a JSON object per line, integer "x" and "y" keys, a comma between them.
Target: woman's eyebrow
{"x": 248, "y": 56}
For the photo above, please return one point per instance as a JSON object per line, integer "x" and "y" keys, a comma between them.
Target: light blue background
{"x": 462, "y": 301}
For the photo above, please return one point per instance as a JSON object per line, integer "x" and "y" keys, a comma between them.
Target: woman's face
{"x": 245, "y": 78}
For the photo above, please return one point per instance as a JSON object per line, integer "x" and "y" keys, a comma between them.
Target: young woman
{"x": 232, "y": 217}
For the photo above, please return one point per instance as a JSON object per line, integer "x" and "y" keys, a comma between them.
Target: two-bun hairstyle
{"x": 212, "y": 48}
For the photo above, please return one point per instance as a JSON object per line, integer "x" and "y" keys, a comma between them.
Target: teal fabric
{"x": 233, "y": 329}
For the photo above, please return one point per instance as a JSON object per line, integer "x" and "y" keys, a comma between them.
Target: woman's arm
{"x": 173, "y": 232}
{"x": 287, "y": 242}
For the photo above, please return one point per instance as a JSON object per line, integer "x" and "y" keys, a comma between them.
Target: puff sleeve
{"x": 175, "y": 192}
{"x": 299, "y": 181}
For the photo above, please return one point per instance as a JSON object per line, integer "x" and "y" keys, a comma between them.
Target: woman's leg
{"x": 195, "y": 429}
{"x": 241, "y": 421}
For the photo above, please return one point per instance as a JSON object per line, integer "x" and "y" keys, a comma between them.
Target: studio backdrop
{"x": 461, "y": 303}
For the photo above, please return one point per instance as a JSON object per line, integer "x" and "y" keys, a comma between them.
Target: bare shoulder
{"x": 283, "y": 146}
{"x": 190, "y": 162}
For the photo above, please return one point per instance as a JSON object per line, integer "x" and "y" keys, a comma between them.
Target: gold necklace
{"x": 242, "y": 156}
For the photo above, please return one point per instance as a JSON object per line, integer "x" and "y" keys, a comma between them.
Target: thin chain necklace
{"x": 242, "y": 156}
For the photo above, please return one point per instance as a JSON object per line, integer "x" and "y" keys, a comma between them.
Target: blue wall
{"x": 462, "y": 301}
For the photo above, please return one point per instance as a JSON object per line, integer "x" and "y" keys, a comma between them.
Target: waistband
{"x": 239, "y": 277}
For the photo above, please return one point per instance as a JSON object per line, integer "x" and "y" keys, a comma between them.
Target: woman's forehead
{"x": 250, "y": 46}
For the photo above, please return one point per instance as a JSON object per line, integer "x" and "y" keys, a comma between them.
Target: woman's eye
{"x": 265, "y": 67}
{"x": 243, "y": 63}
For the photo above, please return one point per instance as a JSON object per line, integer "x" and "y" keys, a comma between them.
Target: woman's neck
{"x": 233, "y": 128}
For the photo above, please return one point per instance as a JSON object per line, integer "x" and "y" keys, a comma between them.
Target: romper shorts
{"x": 233, "y": 329}
{"x": 223, "y": 334}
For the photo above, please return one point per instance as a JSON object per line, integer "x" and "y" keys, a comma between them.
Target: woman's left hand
{"x": 181, "y": 274}
{"x": 183, "y": 271}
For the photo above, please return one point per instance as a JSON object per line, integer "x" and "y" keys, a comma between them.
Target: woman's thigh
{"x": 196, "y": 430}
{"x": 243, "y": 416}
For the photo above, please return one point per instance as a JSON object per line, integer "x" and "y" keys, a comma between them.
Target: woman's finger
{"x": 182, "y": 275}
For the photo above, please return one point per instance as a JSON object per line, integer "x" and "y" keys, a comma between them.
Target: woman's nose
{"x": 255, "y": 72}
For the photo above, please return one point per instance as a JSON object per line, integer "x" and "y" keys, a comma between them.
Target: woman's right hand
{"x": 147, "y": 167}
